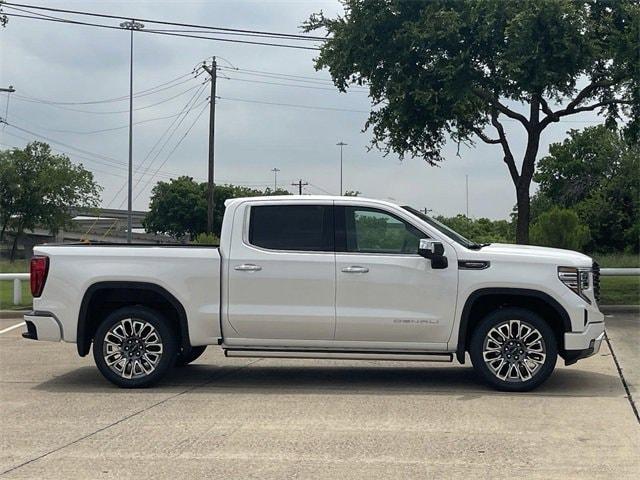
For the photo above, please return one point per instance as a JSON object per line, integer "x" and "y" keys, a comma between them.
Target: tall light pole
{"x": 131, "y": 26}
{"x": 467, "y": 193}
{"x": 275, "y": 178}
{"x": 341, "y": 144}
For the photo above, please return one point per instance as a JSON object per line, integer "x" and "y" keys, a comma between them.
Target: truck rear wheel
{"x": 134, "y": 347}
{"x": 513, "y": 349}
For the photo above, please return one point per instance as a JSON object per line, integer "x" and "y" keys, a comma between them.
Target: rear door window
{"x": 292, "y": 227}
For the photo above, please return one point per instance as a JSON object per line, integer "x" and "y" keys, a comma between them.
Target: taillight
{"x": 39, "y": 270}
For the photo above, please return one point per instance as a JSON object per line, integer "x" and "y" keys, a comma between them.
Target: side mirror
{"x": 430, "y": 248}
{"x": 434, "y": 251}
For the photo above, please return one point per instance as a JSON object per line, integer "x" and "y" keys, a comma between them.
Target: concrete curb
{"x": 13, "y": 313}
{"x": 619, "y": 309}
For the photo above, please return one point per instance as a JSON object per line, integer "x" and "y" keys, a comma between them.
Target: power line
{"x": 173, "y": 150}
{"x": 153, "y": 32}
{"x": 280, "y": 84}
{"x": 188, "y": 107}
{"x": 103, "y": 130}
{"x": 162, "y": 22}
{"x": 320, "y": 188}
{"x": 114, "y": 164}
{"x": 141, "y": 93}
{"x": 286, "y": 76}
{"x": 293, "y": 105}
{"x": 111, "y": 112}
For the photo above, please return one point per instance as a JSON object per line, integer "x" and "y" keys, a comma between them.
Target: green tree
{"x": 596, "y": 172}
{"x": 3, "y": 18}
{"x": 560, "y": 228}
{"x": 38, "y": 188}
{"x": 179, "y": 207}
{"x": 459, "y": 68}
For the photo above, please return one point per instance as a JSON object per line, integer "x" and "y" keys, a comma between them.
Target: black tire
{"x": 185, "y": 357}
{"x": 161, "y": 349}
{"x": 518, "y": 365}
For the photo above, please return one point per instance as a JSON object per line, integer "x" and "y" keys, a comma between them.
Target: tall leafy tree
{"x": 459, "y": 69}
{"x": 596, "y": 172}
{"x": 177, "y": 208}
{"x": 39, "y": 188}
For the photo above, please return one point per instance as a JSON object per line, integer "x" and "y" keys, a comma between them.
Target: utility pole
{"x": 467, "y": 190}
{"x": 299, "y": 184}
{"x": 341, "y": 144}
{"x": 132, "y": 25}
{"x": 275, "y": 178}
{"x": 426, "y": 210}
{"x": 8, "y": 91}
{"x": 212, "y": 71}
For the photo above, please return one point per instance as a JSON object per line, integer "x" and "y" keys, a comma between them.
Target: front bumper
{"x": 583, "y": 344}
{"x": 42, "y": 326}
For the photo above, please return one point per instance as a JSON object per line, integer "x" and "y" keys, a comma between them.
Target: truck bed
{"x": 190, "y": 273}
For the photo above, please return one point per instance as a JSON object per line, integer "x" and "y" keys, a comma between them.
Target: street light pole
{"x": 131, "y": 26}
{"x": 467, "y": 193}
{"x": 341, "y": 144}
{"x": 275, "y": 178}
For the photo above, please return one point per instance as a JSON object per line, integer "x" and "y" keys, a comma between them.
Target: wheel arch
{"x": 103, "y": 297}
{"x": 485, "y": 300}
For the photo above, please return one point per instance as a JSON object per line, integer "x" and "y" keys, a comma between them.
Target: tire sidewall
{"x": 497, "y": 317}
{"x": 169, "y": 346}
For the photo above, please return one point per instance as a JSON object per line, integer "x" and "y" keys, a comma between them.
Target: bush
{"x": 206, "y": 239}
{"x": 560, "y": 228}
{"x": 481, "y": 230}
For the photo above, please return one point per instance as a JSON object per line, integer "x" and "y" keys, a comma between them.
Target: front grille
{"x": 596, "y": 281}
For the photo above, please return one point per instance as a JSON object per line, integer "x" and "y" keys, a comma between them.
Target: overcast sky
{"x": 68, "y": 63}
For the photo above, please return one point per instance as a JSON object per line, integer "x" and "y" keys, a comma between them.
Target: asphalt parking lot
{"x": 242, "y": 418}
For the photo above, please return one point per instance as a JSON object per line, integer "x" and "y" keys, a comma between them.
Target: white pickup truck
{"x": 320, "y": 277}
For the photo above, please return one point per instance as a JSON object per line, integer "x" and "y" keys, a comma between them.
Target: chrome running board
{"x": 341, "y": 355}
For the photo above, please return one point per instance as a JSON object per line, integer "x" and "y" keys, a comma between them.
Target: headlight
{"x": 576, "y": 279}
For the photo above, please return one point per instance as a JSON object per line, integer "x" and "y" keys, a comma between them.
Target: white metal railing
{"x": 619, "y": 272}
{"x": 18, "y": 278}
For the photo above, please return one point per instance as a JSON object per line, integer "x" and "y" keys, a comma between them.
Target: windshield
{"x": 442, "y": 228}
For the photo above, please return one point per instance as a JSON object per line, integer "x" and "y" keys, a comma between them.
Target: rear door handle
{"x": 248, "y": 267}
{"x": 355, "y": 269}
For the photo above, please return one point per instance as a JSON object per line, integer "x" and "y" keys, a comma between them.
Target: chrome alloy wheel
{"x": 132, "y": 348}
{"x": 514, "y": 351}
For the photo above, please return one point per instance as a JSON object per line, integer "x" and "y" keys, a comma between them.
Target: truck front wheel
{"x": 134, "y": 347}
{"x": 513, "y": 349}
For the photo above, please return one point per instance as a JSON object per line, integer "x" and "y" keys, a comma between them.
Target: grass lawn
{"x": 619, "y": 290}
{"x": 617, "y": 260}
{"x": 6, "y": 287}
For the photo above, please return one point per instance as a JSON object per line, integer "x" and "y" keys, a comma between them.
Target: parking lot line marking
{"x": 13, "y": 327}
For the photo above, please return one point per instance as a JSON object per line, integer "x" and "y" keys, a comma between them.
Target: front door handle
{"x": 355, "y": 269}
{"x": 248, "y": 267}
